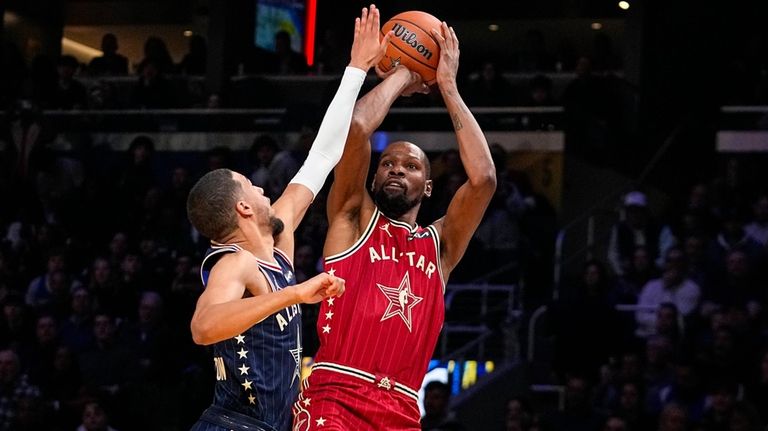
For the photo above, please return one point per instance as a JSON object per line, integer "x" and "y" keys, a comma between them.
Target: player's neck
{"x": 260, "y": 243}
{"x": 408, "y": 218}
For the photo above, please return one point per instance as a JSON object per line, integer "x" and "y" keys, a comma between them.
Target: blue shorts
{"x": 215, "y": 418}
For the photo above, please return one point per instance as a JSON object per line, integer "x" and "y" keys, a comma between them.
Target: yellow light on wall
{"x": 624, "y": 5}
{"x": 82, "y": 52}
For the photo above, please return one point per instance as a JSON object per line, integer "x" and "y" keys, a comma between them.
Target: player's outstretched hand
{"x": 367, "y": 49}
{"x": 320, "y": 287}
{"x": 449, "y": 55}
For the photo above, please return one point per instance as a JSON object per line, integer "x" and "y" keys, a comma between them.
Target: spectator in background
{"x": 95, "y": 418}
{"x": 744, "y": 417}
{"x": 14, "y": 386}
{"x": 153, "y": 90}
{"x": 137, "y": 176}
{"x": 108, "y": 367}
{"x": 110, "y": 62}
{"x": 614, "y": 423}
{"x": 70, "y": 93}
{"x": 757, "y": 229}
{"x": 195, "y": 60}
{"x": 40, "y": 291}
{"x": 578, "y": 413}
{"x": 77, "y": 328}
{"x": 637, "y": 228}
{"x": 437, "y": 416}
{"x": 717, "y": 414}
{"x": 673, "y": 418}
{"x": 584, "y": 310}
{"x": 641, "y": 270}
{"x": 519, "y": 414}
{"x": 685, "y": 392}
{"x": 732, "y": 236}
{"x": 489, "y": 88}
{"x": 218, "y": 158}
{"x": 330, "y": 57}
{"x": 673, "y": 287}
{"x": 289, "y": 62}
{"x": 539, "y": 92}
{"x": 272, "y": 167}
{"x": 156, "y": 52}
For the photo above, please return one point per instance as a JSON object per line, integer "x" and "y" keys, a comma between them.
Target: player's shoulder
{"x": 232, "y": 258}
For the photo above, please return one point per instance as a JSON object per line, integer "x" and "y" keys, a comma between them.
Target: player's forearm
{"x": 473, "y": 147}
{"x": 218, "y": 322}
{"x": 372, "y": 108}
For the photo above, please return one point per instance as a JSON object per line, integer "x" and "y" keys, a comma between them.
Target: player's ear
{"x": 243, "y": 208}
{"x": 428, "y": 188}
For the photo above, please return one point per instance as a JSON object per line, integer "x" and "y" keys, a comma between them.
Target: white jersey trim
{"x": 436, "y": 239}
{"x": 363, "y": 375}
{"x": 359, "y": 243}
{"x": 217, "y": 249}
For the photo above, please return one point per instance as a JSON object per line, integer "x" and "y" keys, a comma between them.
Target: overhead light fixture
{"x": 493, "y": 27}
{"x": 624, "y": 5}
{"x": 187, "y": 33}
{"x": 596, "y": 26}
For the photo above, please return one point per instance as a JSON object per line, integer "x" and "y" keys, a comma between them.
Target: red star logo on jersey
{"x": 401, "y": 301}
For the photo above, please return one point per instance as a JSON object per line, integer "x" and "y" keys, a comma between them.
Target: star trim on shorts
{"x": 332, "y": 272}
{"x": 328, "y": 315}
{"x": 296, "y": 353}
{"x": 330, "y": 301}
{"x": 247, "y": 385}
{"x": 251, "y": 399}
{"x": 327, "y": 329}
{"x": 320, "y": 421}
{"x": 244, "y": 369}
{"x": 401, "y": 301}
{"x": 243, "y": 353}
{"x": 240, "y": 339}
{"x": 307, "y": 401}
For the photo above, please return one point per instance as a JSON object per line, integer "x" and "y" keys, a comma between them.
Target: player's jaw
{"x": 393, "y": 200}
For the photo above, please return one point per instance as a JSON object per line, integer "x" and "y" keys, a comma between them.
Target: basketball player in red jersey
{"x": 376, "y": 341}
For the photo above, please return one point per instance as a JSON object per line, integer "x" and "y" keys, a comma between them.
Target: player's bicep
{"x": 460, "y": 222}
{"x": 348, "y": 191}
{"x": 225, "y": 283}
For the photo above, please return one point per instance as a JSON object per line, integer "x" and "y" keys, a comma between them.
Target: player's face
{"x": 401, "y": 180}
{"x": 254, "y": 195}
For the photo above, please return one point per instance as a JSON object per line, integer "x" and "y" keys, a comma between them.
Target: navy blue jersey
{"x": 258, "y": 372}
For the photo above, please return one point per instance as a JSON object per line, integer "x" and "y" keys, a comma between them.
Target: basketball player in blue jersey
{"x": 249, "y": 311}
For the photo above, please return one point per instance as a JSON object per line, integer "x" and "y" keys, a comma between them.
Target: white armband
{"x": 328, "y": 146}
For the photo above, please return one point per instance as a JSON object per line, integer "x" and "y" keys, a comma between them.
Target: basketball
{"x": 412, "y": 44}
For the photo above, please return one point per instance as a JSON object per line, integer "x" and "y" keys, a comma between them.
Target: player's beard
{"x": 277, "y": 226}
{"x": 394, "y": 206}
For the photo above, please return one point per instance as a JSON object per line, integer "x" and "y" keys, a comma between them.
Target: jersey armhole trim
{"x": 436, "y": 240}
{"x": 359, "y": 243}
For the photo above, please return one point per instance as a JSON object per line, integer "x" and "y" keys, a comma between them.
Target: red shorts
{"x": 335, "y": 401}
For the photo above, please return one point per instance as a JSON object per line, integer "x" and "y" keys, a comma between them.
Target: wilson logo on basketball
{"x": 409, "y": 38}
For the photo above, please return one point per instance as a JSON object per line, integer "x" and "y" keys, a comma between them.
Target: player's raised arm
{"x": 327, "y": 148}
{"x": 466, "y": 209}
{"x": 223, "y": 313}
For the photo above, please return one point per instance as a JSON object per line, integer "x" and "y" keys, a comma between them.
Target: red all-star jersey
{"x": 389, "y": 318}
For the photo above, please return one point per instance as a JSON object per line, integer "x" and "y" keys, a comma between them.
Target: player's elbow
{"x": 201, "y": 332}
{"x": 485, "y": 182}
{"x": 358, "y": 129}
